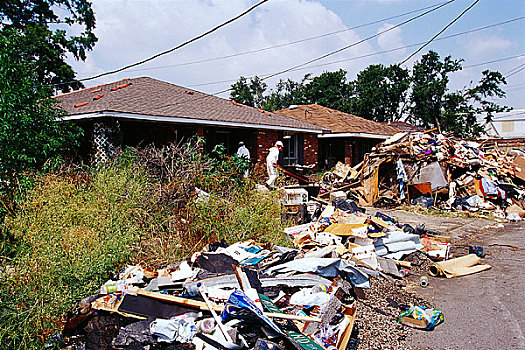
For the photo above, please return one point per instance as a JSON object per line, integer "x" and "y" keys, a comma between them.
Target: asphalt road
{"x": 485, "y": 310}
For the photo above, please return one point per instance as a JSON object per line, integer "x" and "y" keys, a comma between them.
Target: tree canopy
{"x": 30, "y": 133}
{"x": 389, "y": 93}
{"x": 47, "y": 30}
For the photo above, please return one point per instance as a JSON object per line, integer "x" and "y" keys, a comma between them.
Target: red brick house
{"x": 350, "y": 136}
{"x": 143, "y": 110}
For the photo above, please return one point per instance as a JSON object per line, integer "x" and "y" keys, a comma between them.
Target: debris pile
{"x": 342, "y": 286}
{"x": 434, "y": 171}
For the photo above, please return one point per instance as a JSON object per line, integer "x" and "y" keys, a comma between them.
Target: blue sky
{"x": 130, "y": 30}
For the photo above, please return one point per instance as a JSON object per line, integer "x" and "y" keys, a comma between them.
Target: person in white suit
{"x": 271, "y": 163}
{"x": 245, "y": 153}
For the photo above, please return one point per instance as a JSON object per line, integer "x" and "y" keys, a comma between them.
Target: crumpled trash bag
{"x": 135, "y": 332}
{"x": 305, "y": 297}
{"x": 179, "y": 328}
{"x": 326, "y": 267}
{"x": 346, "y": 205}
{"x": 421, "y": 317}
{"x": 426, "y": 201}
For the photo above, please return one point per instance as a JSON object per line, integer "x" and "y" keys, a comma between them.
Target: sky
{"x": 288, "y": 33}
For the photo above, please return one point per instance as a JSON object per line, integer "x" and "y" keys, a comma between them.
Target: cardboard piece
{"x": 381, "y": 223}
{"x": 519, "y": 162}
{"x": 347, "y": 229}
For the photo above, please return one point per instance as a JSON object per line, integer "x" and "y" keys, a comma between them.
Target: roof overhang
{"x": 361, "y": 135}
{"x": 181, "y": 120}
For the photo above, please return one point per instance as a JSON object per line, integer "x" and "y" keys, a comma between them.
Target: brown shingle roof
{"x": 337, "y": 121}
{"x": 151, "y": 97}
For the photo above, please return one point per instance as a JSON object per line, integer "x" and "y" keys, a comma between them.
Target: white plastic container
{"x": 295, "y": 196}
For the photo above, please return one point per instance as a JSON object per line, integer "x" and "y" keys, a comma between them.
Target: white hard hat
{"x": 279, "y": 143}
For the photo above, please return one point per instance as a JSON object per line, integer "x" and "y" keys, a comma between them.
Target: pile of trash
{"x": 434, "y": 171}
{"x": 342, "y": 286}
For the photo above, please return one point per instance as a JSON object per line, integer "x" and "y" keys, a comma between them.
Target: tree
{"x": 330, "y": 89}
{"x": 287, "y": 93}
{"x": 429, "y": 86}
{"x": 249, "y": 93}
{"x": 31, "y": 21}
{"x": 460, "y": 109}
{"x": 433, "y": 106}
{"x": 30, "y": 132}
{"x": 380, "y": 92}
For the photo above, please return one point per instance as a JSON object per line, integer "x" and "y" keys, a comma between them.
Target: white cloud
{"x": 391, "y": 40}
{"x": 131, "y": 30}
{"x": 478, "y": 45}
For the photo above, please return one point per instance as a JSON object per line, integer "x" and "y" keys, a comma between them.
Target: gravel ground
{"x": 376, "y": 322}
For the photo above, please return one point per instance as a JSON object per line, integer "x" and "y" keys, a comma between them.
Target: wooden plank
{"x": 403, "y": 263}
{"x": 202, "y": 306}
{"x": 350, "y": 313}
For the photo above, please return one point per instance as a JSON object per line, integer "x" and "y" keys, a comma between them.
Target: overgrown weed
{"x": 75, "y": 229}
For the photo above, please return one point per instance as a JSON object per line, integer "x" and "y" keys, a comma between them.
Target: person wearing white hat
{"x": 271, "y": 163}
{"x": 244, "y": 153}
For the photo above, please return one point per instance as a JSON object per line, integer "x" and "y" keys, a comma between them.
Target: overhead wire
{"x": 328, "y": 54}
{"x": 358, "y": 42}
{"x": 515, "y": 70}
{"x": 440, "y": 32}
{"x": 166, "y": 51}
{"x": 285, "y": 44}
{"x": 294, "y": 42}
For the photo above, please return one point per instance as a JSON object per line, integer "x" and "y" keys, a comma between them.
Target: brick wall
{"x": 311, "y": 149}
{"x": 265, "y": 140}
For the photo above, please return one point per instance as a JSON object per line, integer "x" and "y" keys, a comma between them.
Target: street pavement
{"x": 485, "y": 310}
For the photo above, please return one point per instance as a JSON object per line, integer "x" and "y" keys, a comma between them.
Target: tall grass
{"x": 71, "y": 236}
{"x": 74, "y": 231}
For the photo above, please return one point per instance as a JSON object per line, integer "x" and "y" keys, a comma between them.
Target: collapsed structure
{"x": 435, "y": 171}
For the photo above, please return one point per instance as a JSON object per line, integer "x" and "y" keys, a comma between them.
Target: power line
{"x": 440, "y": 32}
{"x": 366, "y": 56}
{"x": 515, "y": 70}
{"x": 360, "y": 41}
{"x": 294, "y": 42}
{"x": 325, "y": 55}
{"x": 286, "y": 44}
{"x": 396, "y": 49}
{"x": 169, "y": 50}
{"x": 494, "y": 61}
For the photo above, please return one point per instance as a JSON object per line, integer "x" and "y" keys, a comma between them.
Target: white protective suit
{"x": 244, "y": 152}
{"x": 271, "y": 162}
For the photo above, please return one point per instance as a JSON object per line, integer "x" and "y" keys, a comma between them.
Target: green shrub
{"x": 71, "y": 236}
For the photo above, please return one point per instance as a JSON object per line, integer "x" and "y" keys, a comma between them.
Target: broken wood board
{"x": 350, "y": 313}
{"x": 371, "y": 186}
{"x": 202, "y": 306}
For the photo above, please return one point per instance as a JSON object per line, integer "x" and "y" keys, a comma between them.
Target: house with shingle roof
{"x": 350, "y": 136}
{"x": 141, "y": 111}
